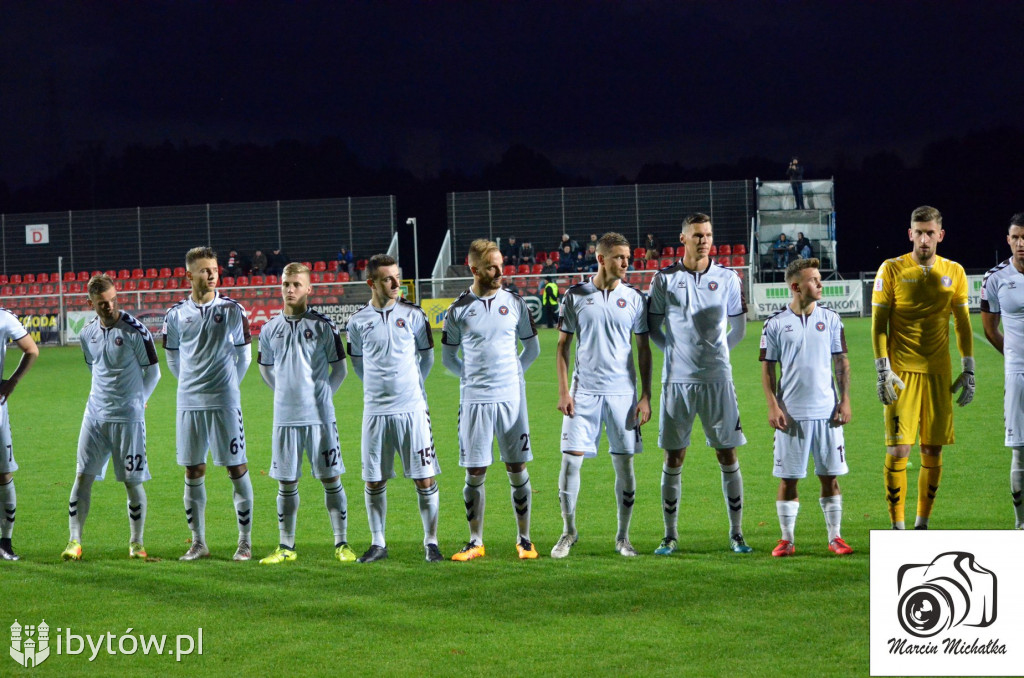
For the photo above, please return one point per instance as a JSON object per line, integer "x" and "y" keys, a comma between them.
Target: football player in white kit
{"x": 701, "y": 303}
{"x": 125, "y": 370}
{"x": 206, "y": 342}
{"x": 1002, "y": 298}
{"x": 487, "y": 322}
{"x": 301, "y": 359}
{"x": 806, "y": 341}
{"x": 11, "y": 329}
{"x": 392, "y": 351}
{"x": 603, "y": 314}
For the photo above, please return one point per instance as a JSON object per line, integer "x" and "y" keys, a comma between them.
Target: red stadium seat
{"x": 174, "y": 283}
{"x": 639, "y": 253}
{"x": 257, "y": 280}
{"x": 508, "y": 270}
{"x": 227, "y": 281}
{"x": 159, "y": 284}
{"x": 313, "y": 278}
{"x": 6, "y": 291}
{"x": 361, "y": 264}
{"x": 42, "y": 277}
{"x": 34, "y": 290}
{"x": 308, "y": 264}
{"x": 152, "y": 273}
{"x": 680, "y": 251}
{"x": 332, "y": 266}
{"x": 167, "y": 273}
{"x": 524, "y": 269}
{"x": 241, "y": 281}
{"x": 668, "y": 251}
{"x": 330, "y": 277}
{"x": 28, "y": 278}
{"x": 713, "y": 251}
{"x": 739, "y": 249}
{"x": 179, "y": 272}
{"x": 725, "y": 250}
{"x": 3, "y": 279}
{"x": 83, "y": 276}
{"x": 49, "y": 288}
{"x": 343, "y": 277}
{"x": 145, "y": 284}
{"x": 739, "y": 260}
{"x": 273, "y": 280}
{"x": 555, "y": 256}
{"x": 537, "y": 269}
{"x": 138, "y": 273}
{"x": 69, "y": 276}
{"x": 76, "y": 288}
{"x": 320, "y": 266}
{"x": 130, "y": 285}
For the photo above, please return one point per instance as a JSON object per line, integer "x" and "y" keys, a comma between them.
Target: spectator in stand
{"x": 591, "y": 258}
{"x": 782, "y": 247}
{"x": 566, "y": 261}
{"x": 259, "y": 262}
{"x": 510, "y": 251}
{"x": 276, "y": 261}
{"x": 580, "y": 262}
{"x": 803, "y": 247}
{"x": 346, "y": 261}
{"x": 795, "y": 174}
{"x": 568, "y": 242}
{"x": 234, "y": 265}
{"x": 526, "y": 254}
{"x": 509, "y": 285}
{"x": 593, "y": 242}
{"x": 549, "y": 267}
{"x": 652, "y": 246}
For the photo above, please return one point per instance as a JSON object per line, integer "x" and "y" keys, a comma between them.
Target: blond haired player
{"x": 913, "y": 297}
{"x": 806, "y": 341}
{"x": 488, "y": 323}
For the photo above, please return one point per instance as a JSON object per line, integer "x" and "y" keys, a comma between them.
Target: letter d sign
{"x": 37, "y": 234}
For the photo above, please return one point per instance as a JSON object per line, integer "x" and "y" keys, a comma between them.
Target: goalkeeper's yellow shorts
{"x": 926, "y": 404}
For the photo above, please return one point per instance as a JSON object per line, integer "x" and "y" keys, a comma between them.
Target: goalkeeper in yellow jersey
{"x": 910, "y": 306}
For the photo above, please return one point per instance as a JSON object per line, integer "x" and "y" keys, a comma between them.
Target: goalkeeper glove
{"x": 966, "y": 382}
{"x": 888, "y": 382}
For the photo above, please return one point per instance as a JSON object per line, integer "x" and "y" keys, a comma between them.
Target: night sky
{"x": 599, "y": 88}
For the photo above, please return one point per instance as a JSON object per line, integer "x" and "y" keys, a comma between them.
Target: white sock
{"x": 671, "y": 490}
{"x": 287, "y": 512}
{"x": 732, "y": 490}
{"x": 429, "y": 502}
{"x": 474, "y": 496}
{"x": 136, "y": 511}
{"x": 195, "y": 507}
{"x": 832, "y": 507}
{"x": 1017, "y": 484}
{"x": 377, "y": 513}
{"x": 625, "y": 492}
{"x": 9, "y": 500}
{"x": 787, "y": 511}
{"x": 522, "y": 493}
{"x": 242, "y": 496}
{"x": 78, "y": 505}
{"x": 336, "y": 502}
{"x": 569, "y": 490}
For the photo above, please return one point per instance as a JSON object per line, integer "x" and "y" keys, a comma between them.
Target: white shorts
{"x": 716, "y": 405}
{"x": 125, "y": 441}
{"x": 1013, "y": 410}
{"x": 219, "y": 431}
{"x": 481, "y": 423}
{"x": 320, "y": 443}
{"x": 818, "y": 438}
{"x": 582, "y": 432}
{"x": 7, "y": 463}
{"x": 407, "y": 434}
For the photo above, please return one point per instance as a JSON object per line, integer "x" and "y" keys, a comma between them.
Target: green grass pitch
{"x": 702, "y": 612}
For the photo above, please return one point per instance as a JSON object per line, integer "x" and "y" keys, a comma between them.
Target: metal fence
{"x": 542, "y": 216}
{"x": 143, "y": 237}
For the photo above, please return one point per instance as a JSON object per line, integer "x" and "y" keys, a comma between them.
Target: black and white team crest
{"x": 30, "y": 645}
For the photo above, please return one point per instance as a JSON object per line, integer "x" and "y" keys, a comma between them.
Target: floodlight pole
{"x": 411, "y": 221}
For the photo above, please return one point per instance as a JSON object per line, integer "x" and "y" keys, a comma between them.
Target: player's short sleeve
{"x": 567, "y": 314}
{"x": 170, "y": 330}
{"x": 332, "y": 343}
{"x": 640, "y": 316}
{"x": 882, "y": 291}
{"x": 526, "y": 328}
{"x": 736, "y": 302}
{"x": 355, "y": 339}
{"x": 990, "y": 294}
{"x": 83, "y": 340}
{"x": 421, "y": 328}
{"x": 656, "y": 300}
{"x": 142, "y": 344}
{"x": 11, "y": 326}
{"x": 452, "y": 332}
{"x": 838, "y": 335}
{"x": 769, "y": 348}
{"x": 242, "y": 335}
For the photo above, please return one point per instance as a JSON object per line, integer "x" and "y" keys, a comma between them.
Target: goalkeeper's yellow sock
{"x": 895, "y": 476}
{"x": 928, "y": 485}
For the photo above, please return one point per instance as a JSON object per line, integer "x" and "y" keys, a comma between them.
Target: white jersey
{"x": 604, "y": 322}
{"x": 11, "y": 329}
{"x": 389, "y": 340}
{"x": 206, "y": 336}
{"x": 301, "y": 350}
{"x": 803, "y": 346}
{"x": 117, "y": 356}
{"x": 1003, "y": 293}
{"x": 487, "y": 329}
{"x": 697, "y": 306}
